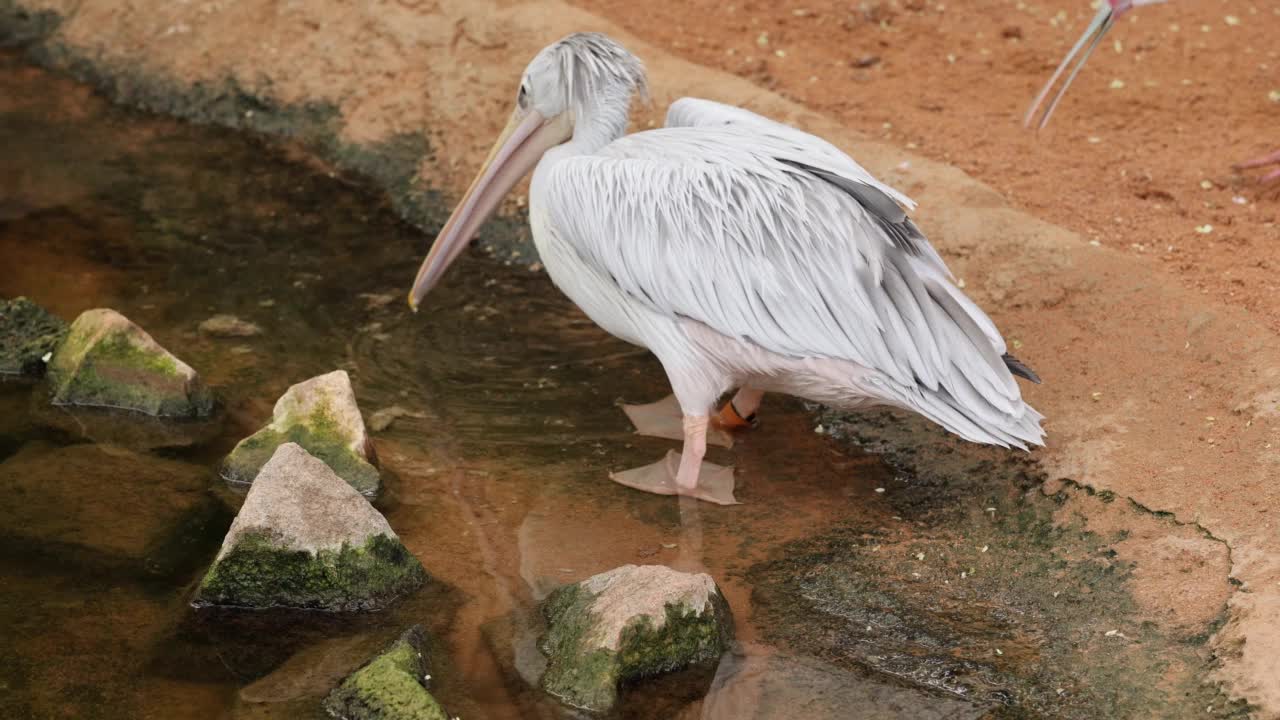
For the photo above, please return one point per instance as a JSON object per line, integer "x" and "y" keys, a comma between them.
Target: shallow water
{"x": 499, "y": 487}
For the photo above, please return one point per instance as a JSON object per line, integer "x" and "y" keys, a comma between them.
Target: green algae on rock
{"x": 304, "y": 538}
{"x": 629, "y": 623}
{"x": 28, "y": 333}
{"x": 389, "y": 687}
{"x": 321, "y": 415}
{"x": 107, "y": 361}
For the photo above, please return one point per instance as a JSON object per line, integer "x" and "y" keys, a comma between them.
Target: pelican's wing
{"x": 760, "y": 234}
{"x": 800, "y": 147}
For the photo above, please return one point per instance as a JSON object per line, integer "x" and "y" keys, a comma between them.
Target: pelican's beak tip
{"x": 413, "y": 303}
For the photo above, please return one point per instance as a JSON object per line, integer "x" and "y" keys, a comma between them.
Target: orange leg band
{"x": 729, "y": 419}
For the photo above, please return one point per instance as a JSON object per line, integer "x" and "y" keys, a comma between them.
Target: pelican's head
{"x": 1108, "y": 12}
{"x": 581, "y": 85}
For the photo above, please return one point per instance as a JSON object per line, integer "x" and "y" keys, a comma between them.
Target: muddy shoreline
{"x": 390, "y": 167}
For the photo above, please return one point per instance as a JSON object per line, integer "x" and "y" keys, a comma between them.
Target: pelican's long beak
{"x": 516, "y": 151}
{"x": 1098, "y": 27}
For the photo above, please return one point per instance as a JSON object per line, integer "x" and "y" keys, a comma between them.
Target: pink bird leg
{"x": 1264, "y": 161}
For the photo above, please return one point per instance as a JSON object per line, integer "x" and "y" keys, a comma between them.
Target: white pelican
{"x": 743, "y": 253}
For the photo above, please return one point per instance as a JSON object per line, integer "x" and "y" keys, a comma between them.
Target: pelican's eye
{"x": 523, "y": 97}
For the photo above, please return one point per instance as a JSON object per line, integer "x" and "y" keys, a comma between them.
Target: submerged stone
{"x": 228, "y": 326}
{"x": 313, "y": 671}
{"x": 124, "y": 428}
{"x": 763, "y": 684}
{"x": 28, "y": 334}
{"x": 107, "y": 361}
{"x": 305, "y": 538}
{"x": 105, "y": 507}
{"x": 321, "y": 415}
{"x": 629, "y": 623}
{"x": 390, "y": 687}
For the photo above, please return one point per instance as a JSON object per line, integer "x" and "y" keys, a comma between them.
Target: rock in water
{"x": 313, "y": 671}
{"x": 304, "y": 538}
{"x": 107, "y": 361}
{"x": 381, "y": 419}
{"x": 321, "y": 415}
{"x": 389, "y": 687}
{"x": 27, "y": 334}
{"x": 228, "y": 326}
{"x": 105, "y": 507}
{"x": 764, "y": 684}
{"x": 629, "y": 623}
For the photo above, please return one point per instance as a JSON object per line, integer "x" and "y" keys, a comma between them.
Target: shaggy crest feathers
{"x": 593, "y": 65}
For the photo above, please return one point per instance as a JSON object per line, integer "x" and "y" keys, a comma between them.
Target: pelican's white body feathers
{"x": 745, "y": 252}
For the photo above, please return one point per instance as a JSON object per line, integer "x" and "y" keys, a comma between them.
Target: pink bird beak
{"x": 1105, "y": 18}
{"x": 522, "y": 143}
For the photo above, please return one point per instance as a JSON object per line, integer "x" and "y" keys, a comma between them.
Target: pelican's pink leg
{"x": 695, "y": 447}
{"x": 1265, "y": 160}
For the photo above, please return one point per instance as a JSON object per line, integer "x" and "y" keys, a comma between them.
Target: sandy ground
{"x": 1158, "y": 343}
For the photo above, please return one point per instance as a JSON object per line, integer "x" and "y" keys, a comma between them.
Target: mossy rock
{"x": 259, "y": 573}
{"x": 107, "y": 361}
{"x": 27, "y": 334}
{"x": 305, "y": 538}
{"x": 390, "y": 687}
{"x": 321, "y": 415}
{"x": 629, "y": 623}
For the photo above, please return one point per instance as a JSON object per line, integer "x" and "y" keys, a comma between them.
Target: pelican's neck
{"x": 600, "y": 123}
{"x": 597, "y": 125}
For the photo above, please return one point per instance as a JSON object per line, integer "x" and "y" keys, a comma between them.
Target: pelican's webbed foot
{"x": 664, "y": 419}
{"x": 715, "y": 482}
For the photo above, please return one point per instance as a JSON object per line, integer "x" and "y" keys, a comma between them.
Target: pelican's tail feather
{"x": 984, "y": 425}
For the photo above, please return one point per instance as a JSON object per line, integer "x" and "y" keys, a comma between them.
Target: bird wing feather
{"x": 771, "y": 235}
